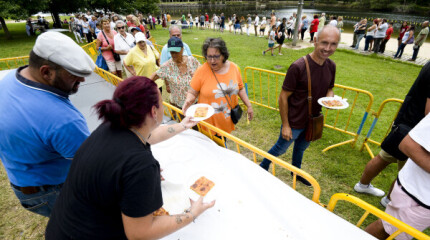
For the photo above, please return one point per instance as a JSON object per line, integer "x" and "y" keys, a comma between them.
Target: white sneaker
{"x": 385, "y": 201}
{"x": 368, "y": 190}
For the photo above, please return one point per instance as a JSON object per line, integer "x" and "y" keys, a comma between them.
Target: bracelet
{"x": 183, "y": 125}
{"x": 189, "y": 211}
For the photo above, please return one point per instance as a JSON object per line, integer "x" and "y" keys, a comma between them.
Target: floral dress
{"x": 179, "y": 82}
{"x": 210, "y": 92}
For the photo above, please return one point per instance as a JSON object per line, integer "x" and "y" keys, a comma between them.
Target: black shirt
{"x": 413, "y": 108}
{"x": 113, "y": 172}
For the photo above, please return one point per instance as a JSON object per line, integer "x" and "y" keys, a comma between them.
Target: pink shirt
{"x": 107, "y": 54}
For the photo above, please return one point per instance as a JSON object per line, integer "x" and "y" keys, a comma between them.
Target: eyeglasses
{"x": 120, "y": 27}
{"x": 214, "y": 57}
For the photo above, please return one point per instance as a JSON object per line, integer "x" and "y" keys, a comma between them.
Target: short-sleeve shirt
{"x": 381, "y": 30}
{"x": 314, "y": 27}
{"x": 305, "y": 23}
{"x": 108, "y": 55}
{"x": 388, "y": 33}
{"x": 40, "y": 131}
{"x": 272, "y": 37}
{"x": 179, "y": 82}
{"x": 113, "y": 172}
{"x": 143, "y": 65}
{"x": 425, "y": 32}
{"x": 210, "y": 93}
{"x": 414, "y": 179}
{"x": 124, "y": 43}
{"x": 413, "y": 107}
{"x": 296, "y": 81}
{"x": 322, "y": 22}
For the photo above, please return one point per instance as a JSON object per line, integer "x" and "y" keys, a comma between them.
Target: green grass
{"x": 336, "y": 170}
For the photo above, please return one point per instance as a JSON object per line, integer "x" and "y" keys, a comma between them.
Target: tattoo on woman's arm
{"x": 178, "y": 219}
{"x": 171, "y": 130}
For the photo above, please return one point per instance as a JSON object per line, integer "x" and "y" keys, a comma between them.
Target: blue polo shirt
{"x": 40, "y": 131}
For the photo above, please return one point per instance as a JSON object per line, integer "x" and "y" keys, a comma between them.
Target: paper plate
{"x": 192, "y": 109}
{"x": 342, "y": 100}
{"x": 211, "y": 195}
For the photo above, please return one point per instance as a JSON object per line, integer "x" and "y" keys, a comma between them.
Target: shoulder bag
{"x": 392, "y": 141}
{"x": 115, "y": 55}
{"x": 236, "y": 112}
{"x": 315, "y": 124}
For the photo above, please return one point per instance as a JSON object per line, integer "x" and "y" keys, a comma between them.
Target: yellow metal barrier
{"x": 401, "y": 226}
{"x": 91, "y": 50}
{"x": 11, "y": 63}
{"x": 174, "y": 112}
{"x": 263, "y": 87}
{"x": 377, "y": 117}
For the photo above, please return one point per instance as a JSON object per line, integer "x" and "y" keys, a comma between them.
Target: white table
{"x": 250, "y": 202}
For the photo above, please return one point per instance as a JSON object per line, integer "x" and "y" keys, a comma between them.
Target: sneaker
{"x": 411, "y": 60}
{"x": 385, "y": 201}
{"x": 369, "y": 189}
{"x": 272, "y": 55}
{"x": 264, "y": 53}
{"x": 302, "y": 180}
{"x": 280, "y": 54}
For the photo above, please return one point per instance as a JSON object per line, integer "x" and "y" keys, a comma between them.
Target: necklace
{"x": 142, "y": 138}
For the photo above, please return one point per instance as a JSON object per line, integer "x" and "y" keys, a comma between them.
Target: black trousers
{"x": 382, "y": 47}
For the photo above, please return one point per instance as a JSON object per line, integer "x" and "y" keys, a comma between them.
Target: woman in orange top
{"x": 204, "y": 85}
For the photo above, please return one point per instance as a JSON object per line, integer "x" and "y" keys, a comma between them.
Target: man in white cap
{"x": 40, "y": 129}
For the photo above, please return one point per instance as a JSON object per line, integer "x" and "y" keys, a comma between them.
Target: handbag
{"x": 411, "y": 40}
{"x": 315, "y": 125}
{"x": 101, "y": 62}
{"x": 392, "y": 141}
{"x": 115, "y": 55}
{"x": 236, "y": 112}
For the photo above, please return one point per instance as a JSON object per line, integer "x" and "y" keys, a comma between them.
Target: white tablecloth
{"x": 250, "y": 202}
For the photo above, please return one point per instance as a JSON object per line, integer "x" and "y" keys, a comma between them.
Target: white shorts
{"x": 114, "y": 66}
{"x": 406, "y": 210}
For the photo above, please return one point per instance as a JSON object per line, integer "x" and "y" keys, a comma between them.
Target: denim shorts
{"x": 271, "y": 45}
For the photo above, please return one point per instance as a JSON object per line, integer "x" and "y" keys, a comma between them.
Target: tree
{"x": 19, "y": 9}
{"x": 121, "y": 6}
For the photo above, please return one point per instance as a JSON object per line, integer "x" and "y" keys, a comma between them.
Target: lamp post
{"x": 296, "y": 27}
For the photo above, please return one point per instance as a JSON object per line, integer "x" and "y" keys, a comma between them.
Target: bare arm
{"x": 155, "y": 227}
{"x": 121, "y": 52}
{"x": 427, "y": 109}
{"x": 165, "y": 132}
{"x": 330, "y": 93}
{"x": 420, "y": 38}
{"x": 416, "y": 153}
{"x": 191, "y": 97}
{"x": 287, "y": 134}
{"x": 154, "y": 77}
{"x": 129, "y": 68}
{"x": 244, "y": 97}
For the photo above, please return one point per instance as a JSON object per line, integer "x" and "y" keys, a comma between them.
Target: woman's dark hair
{"x": 132, "y": 100}
{"x": 412, "y": 27}
{"x": 315, "y": 16}
{"x": 217, "y": 43}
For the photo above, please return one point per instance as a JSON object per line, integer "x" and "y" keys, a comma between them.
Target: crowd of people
{"x": 113, "y": 185}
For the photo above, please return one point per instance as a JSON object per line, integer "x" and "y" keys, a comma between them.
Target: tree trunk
{"x": 56, "y": 19}
{"x": 5, "y": 29}
{"x": 298, "y": 19}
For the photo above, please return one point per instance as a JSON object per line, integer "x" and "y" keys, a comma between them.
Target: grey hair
{"x": 119, "y": 22}
{"x": 217, "y": 43}
{"x": 325, "y": 28}
{"x": 173, "y": 27}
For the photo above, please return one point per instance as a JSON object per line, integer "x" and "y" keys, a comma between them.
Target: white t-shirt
{"x": 263, "y": 24}
{"x": 333, "y": 22}
{"x": 381, "y": 30}
{"x": 272, "y": 36}
{"x": 257, "y": 21}
{"x": 413, "y": 178}
{"x": 112, "y": 25}
{"x": 123, "y": 43}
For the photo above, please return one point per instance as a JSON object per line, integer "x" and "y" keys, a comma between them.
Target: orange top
{"x": 210, "y": 93}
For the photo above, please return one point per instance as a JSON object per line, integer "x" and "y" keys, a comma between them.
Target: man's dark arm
{"x": 416, "y": 152}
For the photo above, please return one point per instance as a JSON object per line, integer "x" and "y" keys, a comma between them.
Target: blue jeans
{"x": 400, "y": 50}
{"x": 366, "y": 44}
{"x": 42, "y": 202}
{"x": 281, "y": 146}
{"x": 415, "y": 54}
{"x": 358, "y": 39}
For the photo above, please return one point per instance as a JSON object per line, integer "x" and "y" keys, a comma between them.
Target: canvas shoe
{"x": 385, "y": 201}
{"x": 264, "y": 53}
{"x": 369, "y": 189}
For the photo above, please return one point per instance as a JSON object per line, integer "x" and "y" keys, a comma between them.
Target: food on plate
{"x": 202, "y": 186}
{"x": 201, "y": 112}
{"x": 161, "y": 212}
{"x": 332, "y": 103}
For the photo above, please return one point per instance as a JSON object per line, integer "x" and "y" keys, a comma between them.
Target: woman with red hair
{"x": 114, "y": 184}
